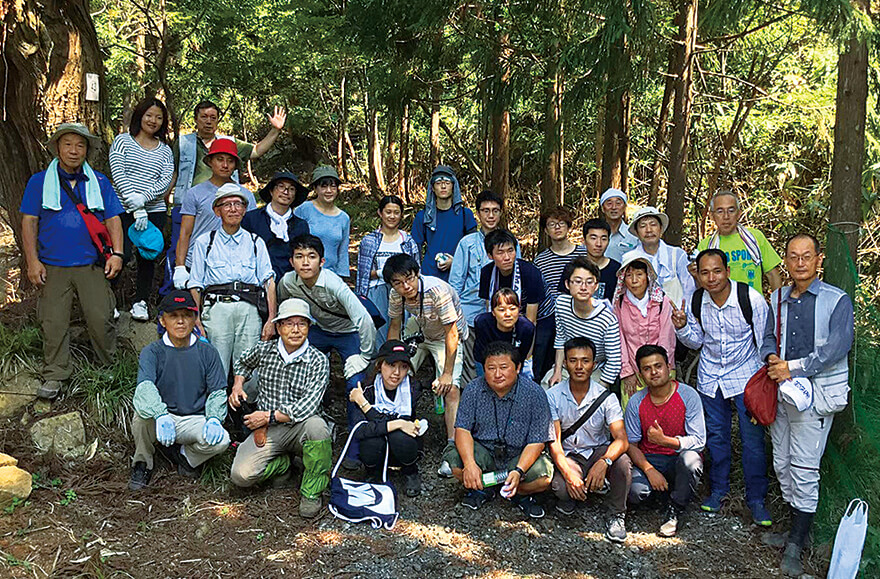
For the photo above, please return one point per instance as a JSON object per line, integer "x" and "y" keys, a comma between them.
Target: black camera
{"x": 412, "y": 343}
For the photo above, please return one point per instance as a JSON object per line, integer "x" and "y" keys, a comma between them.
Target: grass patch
{"x": 107, "y": 390}
{"x": 215, "y": 472}
{"x": 20, "y": 347}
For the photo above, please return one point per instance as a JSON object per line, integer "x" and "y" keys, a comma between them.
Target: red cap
{"x": 223, "y": 145}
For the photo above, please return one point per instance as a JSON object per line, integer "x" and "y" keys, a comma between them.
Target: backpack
{"x": 742, "y": 296}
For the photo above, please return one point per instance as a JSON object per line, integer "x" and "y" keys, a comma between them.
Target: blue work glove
{"x": 213, "y": 431}
{"x": 165, "y": 431}
{"x": 141, "y": 220}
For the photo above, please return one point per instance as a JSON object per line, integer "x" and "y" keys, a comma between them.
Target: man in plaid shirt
{"x": 292, "y": 379}
{"x": 729, "y": 357}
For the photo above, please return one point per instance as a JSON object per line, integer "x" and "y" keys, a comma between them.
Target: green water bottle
{"x": 439, "y": 404}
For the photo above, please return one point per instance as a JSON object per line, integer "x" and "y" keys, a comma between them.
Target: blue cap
{"x": 148, "y": 242}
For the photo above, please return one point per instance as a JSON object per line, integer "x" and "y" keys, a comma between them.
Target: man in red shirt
{"x": 667, "y": 431}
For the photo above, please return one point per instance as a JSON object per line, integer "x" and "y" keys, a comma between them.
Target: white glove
{"x": 135, "y": 201}
{"x": 354, "y": 364}
{"x": 140, "y": 220}
{"x": 181, "y": 276}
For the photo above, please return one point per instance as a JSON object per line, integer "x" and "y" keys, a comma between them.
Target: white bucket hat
{"x": 649, "y": 212}
{"x": 797, "y": 392}
{"x": 293, "y": 307}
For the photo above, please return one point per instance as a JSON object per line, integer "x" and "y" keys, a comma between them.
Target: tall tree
{"x": 681, "y": 115}
{"x": 45, "y": 85}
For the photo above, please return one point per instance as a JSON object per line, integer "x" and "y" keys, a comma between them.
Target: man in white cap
{"x": 670, "y": 262}
{"x": 613, "y": 207}
{"x": 816, "y": 334}
{"x": 60, "y": 254}
{"x": 232, "y": 275}
{"x": 285, "y": 420}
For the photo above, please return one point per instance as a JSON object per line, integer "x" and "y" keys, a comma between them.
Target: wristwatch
{"x": 520, "y": 471}
{"x": 608, "y": 461}
{"x": 271, "y": 417}
{"x": 117, "y": 254}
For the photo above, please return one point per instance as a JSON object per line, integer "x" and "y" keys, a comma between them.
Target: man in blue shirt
{"x": 439, "y": 227}
{"x": 815, "y": 335}
{"x": 61, "y": 257}
{"x": 180, "y": 399}
{"x": 503, "y": 423}
{"x": 464, "y": 275}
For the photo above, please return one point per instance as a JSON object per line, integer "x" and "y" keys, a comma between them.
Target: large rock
{"x": 6, "y": 460}
{"x": 63, "y": 434}
{"x": 15, "y": 483}
{"x": 18, "y": 392}
{"x": 138, "y": 334}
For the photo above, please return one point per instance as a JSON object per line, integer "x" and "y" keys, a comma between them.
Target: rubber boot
{"x": 791, "y": 565}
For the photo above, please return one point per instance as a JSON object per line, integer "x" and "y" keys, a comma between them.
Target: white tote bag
{"x": 849, "y": 541}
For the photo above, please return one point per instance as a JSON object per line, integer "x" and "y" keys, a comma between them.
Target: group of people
{"x": 553, "y": 375}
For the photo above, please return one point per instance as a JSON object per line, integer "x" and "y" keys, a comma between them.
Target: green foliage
{"x": 19, "y": 347}
{"x": 16, "y": 502}
{"x": 68, "y": 497}
{"x": 108, "y": 390}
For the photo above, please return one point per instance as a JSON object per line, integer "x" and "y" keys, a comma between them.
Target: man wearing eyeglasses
{"x": 230, "y": 267}
{"x": 464, "y": 276}
{"x": 749, "y": 254}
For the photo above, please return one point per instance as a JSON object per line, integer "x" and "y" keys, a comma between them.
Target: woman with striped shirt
{"x": 142, "y": 165}
{"x": 578, "y": 314}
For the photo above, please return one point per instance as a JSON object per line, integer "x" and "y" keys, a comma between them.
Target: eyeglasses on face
{"x": 231, "y": 205}
{"x": 556, "y": 224}
{"x": 408, "y": 280}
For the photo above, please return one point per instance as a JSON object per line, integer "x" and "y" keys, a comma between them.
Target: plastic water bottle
{"x": 439, "y": 404}
{"x": 494, "y": 478}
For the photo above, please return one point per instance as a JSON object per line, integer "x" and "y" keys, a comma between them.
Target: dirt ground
{"x": 81, "y": 521}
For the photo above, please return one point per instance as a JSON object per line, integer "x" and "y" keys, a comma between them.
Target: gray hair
{"x": 723, "y": 193}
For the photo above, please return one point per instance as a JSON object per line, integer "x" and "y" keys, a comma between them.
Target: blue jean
{"x": 682, "y": 472}
{"x": 543, "y": 354}
{"x": 170, "y": 255}
{"x": 719, "y": 416}
{"x": 347, "y": 344}
{"x": 379, "y": 296}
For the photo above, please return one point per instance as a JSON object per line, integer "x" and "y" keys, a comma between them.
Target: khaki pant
{"x": 188, "y": 434}
{"x": 56, "y": 300}
{"x": 799, "y": 440}
{"x": 232, "y": 328}
{"x": 309, "y": 439}
{"x": 437, "y": 350}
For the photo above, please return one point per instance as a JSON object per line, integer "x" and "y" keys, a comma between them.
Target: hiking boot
{"x": 615, "y": 531}
{"x": 412, "y": 484}
{"x": 140, "y": 312}
{"x": 760, "y": 514}
{"x": 474, "y": 499}
{"x": 566, "y": 507}
{"x": 186, "y": 470}
{"x": 309, "y": 508}
{"x": 49, "y": 389}
{"x": 780, "y": 540}
{"x": 791, "y": 565}
{"x": 140, "y": 476}
{"x": 670, "y": 520}
{"x": 712, "y": 504}
{"x": 528, "y": 506}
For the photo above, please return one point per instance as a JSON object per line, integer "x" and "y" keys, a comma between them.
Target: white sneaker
{"x": 139, "y": 311}
{"x": 115, "y": 314}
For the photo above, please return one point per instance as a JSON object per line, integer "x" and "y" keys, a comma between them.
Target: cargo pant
{"x": 309, "y": 438}
{"x": 188, "y": 434}
{"x": 799, "y": 440}
{"x": 56, "y": 300}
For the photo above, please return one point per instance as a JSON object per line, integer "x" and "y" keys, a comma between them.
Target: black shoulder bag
{"x": 586, "y": 415}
